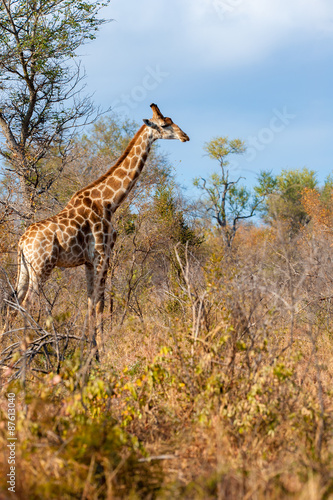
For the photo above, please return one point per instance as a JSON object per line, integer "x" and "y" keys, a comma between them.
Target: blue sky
{"x": 260, "y": 70}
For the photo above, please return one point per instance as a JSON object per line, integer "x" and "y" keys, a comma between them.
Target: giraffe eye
{"x": 165, "y": 126}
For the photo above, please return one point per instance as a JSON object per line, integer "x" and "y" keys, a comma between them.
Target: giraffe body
{"x": 82, "y": 232}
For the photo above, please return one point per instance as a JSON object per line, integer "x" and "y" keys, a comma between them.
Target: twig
{"x": 157, "y": 457}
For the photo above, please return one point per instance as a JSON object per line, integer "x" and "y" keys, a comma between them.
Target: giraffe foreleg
{"x": 90, "y": 278}
{"x": 96, "y": 274}
{"x": 99, "y": 292}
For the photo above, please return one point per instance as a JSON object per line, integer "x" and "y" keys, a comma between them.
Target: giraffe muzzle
{"x": 185, "y": 138}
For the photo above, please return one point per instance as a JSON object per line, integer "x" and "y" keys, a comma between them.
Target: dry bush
{"x": 215, "y": 383}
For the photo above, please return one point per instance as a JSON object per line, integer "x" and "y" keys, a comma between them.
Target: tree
{"x": 284, "y": 196}
{"x": 225, "y": 200}
{"x": 169, "y": 214}
{"x": 40, "y": 87}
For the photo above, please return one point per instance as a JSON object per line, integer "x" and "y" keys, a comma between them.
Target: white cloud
{"x": 190, "y": 42}
{"x": 308, "y": 15}
{"x": 234, "y": 32}
{"x": 212, "y": 32}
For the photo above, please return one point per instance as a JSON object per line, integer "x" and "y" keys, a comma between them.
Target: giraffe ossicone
{"x": 82, "y": 232}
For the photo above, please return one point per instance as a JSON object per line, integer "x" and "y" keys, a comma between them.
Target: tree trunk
{"x": 26, "y": 202}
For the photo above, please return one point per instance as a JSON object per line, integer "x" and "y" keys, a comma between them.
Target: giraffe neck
{"x": 117, "y": 182}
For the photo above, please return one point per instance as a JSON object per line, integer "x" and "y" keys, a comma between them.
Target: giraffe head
{"x": 163, "y": 127}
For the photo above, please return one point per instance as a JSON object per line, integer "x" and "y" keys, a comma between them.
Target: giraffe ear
{"x": 150, "y": 124}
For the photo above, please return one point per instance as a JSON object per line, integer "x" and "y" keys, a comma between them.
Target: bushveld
{"x": 216, "y": 375}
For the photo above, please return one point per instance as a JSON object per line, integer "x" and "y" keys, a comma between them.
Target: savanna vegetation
{"x": 216, "y": 378}
{"x": 216, "y": 381}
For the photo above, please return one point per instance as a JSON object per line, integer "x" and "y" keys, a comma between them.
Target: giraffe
{"x": 82, "y": 233}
